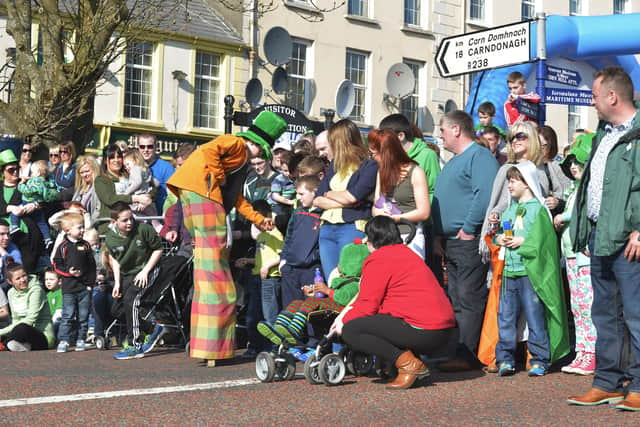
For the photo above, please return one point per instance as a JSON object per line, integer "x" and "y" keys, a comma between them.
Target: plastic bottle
{"x": 317, "y": 278}
{"x": 508, "y": 230}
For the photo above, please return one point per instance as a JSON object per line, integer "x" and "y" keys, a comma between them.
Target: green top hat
{"x": 265, "y": 129}
{"x": 6, "y": 157}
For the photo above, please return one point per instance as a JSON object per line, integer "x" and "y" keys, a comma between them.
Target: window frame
{"x": 417, "y": 67}
{"x": 306, "y": 77}
{"x": 530, "y": 5}
{"x": 364, "y": 4}
{"x": 151, "y": 68}
{"x": 482, "y": 6}
{"x": 625, "y": 7}
{"x": 359, "y": 87}
{"x": 417, "y": 11}
{"x": 213, "y": 121}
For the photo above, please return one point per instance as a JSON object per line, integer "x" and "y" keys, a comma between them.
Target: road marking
{"x": 118, "y": 393}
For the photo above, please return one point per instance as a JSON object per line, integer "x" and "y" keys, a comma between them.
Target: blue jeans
{"x": 517, "y": 293}
{"x": 270, "y": 298}
{"x": 616, "y": 301}
{"x": 102, "y": 302}
{"x": 74, "y": 304}
{"x": 333, "y": 237}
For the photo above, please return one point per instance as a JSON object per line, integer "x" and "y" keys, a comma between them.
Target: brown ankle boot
{"x": 410, "y": 368}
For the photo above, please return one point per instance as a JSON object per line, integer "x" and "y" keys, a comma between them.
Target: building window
{"x": 206, "y": 111}
{"x": 358, "y": 7}
{"x": 412, "y": 12}
{"x": 476, "y": 10}
{"x": 137, "y": 85}
{"x": 577, "y": 118}
{"x": 356, "y": 71}
{"x": 409, "y": 105}
{"x": 620, "y": 6}
{"x": 297, "y": 70}
{"x": 575, "y": 7}
{"x": 528, "y": 9}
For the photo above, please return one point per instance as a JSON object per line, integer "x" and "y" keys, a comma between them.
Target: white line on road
{"x": 117, "y": 393}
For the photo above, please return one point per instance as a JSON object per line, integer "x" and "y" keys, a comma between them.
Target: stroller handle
{"x": 412, "y": 230}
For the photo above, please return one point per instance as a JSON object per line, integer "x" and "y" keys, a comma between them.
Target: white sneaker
{"x": 575, "y": 364}
{"x": 63, "y": 347}
{"x": 80, "y": 345}
{"x": 14, "y": 345}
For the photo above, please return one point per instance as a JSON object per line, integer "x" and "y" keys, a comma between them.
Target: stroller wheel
{"x": 100, "y": 343}
{"x": 332, "y": 369}
{"x": 265, "y": 367}
{"x": 286, "y": 370}
{"x": 359, "y": 364}
{"x": 311, "y": 371}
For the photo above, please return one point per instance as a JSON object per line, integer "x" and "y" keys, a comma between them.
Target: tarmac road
{"x": 231, "y": 395}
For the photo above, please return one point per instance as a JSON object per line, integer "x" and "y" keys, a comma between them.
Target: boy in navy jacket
{"x": 300, "y": 254}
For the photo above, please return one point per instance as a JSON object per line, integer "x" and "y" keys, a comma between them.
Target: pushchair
{"x": 328, "y": 364}
{"x": 331, "y": 359}
{"x": 168, "y": 302}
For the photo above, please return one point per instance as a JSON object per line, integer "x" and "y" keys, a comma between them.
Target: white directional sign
{"x": 482, "y": 50}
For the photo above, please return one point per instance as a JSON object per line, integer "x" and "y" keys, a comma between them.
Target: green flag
{"x": 541, "y": 258}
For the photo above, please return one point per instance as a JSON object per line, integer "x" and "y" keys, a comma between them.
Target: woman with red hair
{"x": 401, "y": 186}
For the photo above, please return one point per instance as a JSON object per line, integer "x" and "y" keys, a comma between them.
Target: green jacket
{"x": 32, "y": 308}
{"x": 620, "y": 207}
{"x": 427, "y": 159}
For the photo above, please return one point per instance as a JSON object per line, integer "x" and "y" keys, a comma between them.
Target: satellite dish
{"x": 278, "y": 46}
{"x": 450, "y": 105}
{"x": 345, "y": 98}
{"x": 400, "y": 80}
{"x": 253, "y": 92}
{"x": 280, "y": 81}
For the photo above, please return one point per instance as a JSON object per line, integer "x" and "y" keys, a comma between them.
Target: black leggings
{"x": 24, "y": 333}
{"x": 388, "y": 337}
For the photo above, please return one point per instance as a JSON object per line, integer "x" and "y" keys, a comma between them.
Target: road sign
{"x": 528, "y": 108}
{"x": 482, "y": 50}
{"x": 563, "y": 76}
{"x": 567, "y": 96}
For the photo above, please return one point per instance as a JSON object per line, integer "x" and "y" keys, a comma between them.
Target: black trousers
{"x": 24, "y": 334}
{"x": 468, "y": 291}
{"x": 388, "y": 337}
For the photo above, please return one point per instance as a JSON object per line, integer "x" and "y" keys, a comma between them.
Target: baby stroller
{"x": 169, "y": 303}
{"x": 327, "y": 364}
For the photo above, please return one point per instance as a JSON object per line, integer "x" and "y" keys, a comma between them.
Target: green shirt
{"x": 513, "y": 263}
{"x": 133, "y": 250}
{"x": 428, "y": 161}
{"x": 31, "y": 307}
{"x": 55, "y": 300}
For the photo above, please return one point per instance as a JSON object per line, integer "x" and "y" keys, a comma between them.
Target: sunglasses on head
{"x": 27, "y": 150}
{"x": 54, "y": 155}
{"x": 64, "y": 152}
{"x": 520, "y": 136}
{"x": 146, "y": 147}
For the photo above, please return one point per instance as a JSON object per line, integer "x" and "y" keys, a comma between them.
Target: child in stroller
{"x": 289, "y": 330}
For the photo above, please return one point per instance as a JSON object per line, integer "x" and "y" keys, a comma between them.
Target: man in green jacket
{"x": 607, "y": 213}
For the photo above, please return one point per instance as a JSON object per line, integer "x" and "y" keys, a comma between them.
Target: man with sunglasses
{"x": 606, "y": 223}
{"x": 161, "y": 170}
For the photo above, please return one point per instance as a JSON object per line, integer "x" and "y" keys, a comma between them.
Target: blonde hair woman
{"x": 88, "y": 169}
{"x": 345, "y": 192}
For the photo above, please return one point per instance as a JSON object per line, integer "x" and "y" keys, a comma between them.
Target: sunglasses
{"x": 54, "y": 155}
{"x": 520, "y": 136}
{"x": 27, "y": 150}
{"x": 12, "y": 169}
{"x": 146, "y": 147}
{"x": 64, "y": 152}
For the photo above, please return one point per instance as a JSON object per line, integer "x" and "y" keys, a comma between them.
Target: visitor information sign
{"x": 482, "y": 50}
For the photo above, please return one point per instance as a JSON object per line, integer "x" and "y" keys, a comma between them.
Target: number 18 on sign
{"x": 482, "y": 50}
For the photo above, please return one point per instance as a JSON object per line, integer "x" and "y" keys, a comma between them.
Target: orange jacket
{"x": 207, "y": 167}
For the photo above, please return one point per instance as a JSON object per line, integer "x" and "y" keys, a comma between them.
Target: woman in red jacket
{"x": 401, "y": 310}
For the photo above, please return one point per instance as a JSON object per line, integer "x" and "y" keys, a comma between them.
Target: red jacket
{"x": 511, "y": 113}
{"x": 396, "y": 281}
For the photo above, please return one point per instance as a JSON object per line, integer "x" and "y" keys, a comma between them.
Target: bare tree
{"x": 314, "y": 12}
{"x": 53, "y": 84}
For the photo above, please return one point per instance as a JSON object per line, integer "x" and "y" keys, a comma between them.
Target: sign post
{"x": 482, "y": 50}
{"x": 541, "y": 66}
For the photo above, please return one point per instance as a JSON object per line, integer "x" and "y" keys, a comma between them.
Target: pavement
{"x": 167, "y": 388}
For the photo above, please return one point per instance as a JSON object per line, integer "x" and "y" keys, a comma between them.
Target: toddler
{"x": 54, "y": 296}
{"x": 140, "y": 179}
{"x": 37, "y": 189}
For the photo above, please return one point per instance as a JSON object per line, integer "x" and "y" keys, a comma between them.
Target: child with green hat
{"x": 291, "y": 323}
{"x": 578, "y": 266}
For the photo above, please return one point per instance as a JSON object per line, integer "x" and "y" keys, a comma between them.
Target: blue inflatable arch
{"x": 599, "y": 41}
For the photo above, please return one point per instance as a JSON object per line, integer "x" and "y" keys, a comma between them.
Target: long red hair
{"x": 391, "y": 157}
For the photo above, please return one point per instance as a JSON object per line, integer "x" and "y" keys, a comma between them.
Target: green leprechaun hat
{"x": 265, "y": 129}
{"x": 6, "y": 157}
